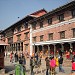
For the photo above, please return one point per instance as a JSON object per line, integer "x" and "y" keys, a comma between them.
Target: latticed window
{"x": 34, "y": 25}
{"x": 26, "y": 25}
{"x": 41, "y": 24}
{"x": 62, "y": 35}
{"x": 41, "y": 38}
{"x": 26, "y": 46}
{"x": 73, "y": 13}
{"x": 26, "y": 36}
{"x": 74, "y": 32}
{"x": 50, "y": 36}
{"x": 19, "y": 29}
{"x": 49, "y": 21}
{"x": 34, "y": 39}
{"x": 18, "y": 37}
{"x": 61, "y": 17}
{"x": 10, "y": 40}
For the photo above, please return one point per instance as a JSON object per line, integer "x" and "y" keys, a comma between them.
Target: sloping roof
{"x": 56, "y": 10}
{"x": 3, "y": 43}
{"x": 26, "y": 18}
{"x": 41, "y": 10}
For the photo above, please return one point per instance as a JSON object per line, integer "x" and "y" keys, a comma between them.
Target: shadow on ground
{"x": 9, "y": 69}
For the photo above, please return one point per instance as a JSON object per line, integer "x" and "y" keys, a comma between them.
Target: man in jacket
{"x": 60, "y": 64}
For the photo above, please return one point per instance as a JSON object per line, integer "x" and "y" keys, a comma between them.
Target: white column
{"x": 31, "y": 47}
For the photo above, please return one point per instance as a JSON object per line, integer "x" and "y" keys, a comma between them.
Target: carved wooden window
{"x": 41, "y": 24}
{"x": 10, "y": 40}
{"x": 62, "y": 35}
{"x": 73, "y": 13}
{"x": 74, "y": 32}
{"x": 49, "y": 21}
{"x": 26, "y": 25}
{"x": 50, "y": 36}
{"x": 18, "y": 29}
{"x": 18, "y": 37}
{"x": 41, "y": 38}
{"x": 26, "y": 36}
{"x": 61, "y": 17}
{"x": 34, "y": 26}
{"x": 26, "y": 47}
{"x": 34, "y": 39}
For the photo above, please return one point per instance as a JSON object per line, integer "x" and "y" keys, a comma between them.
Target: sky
{"x": 10, "y": 10}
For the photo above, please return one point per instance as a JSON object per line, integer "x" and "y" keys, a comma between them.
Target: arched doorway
{"x": 66, "y": 46}
{"x": 51, "y": 49}
{"x": 58, "y": 48}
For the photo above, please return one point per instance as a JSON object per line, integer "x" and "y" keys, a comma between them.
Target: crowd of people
{"x": 57, "y": 61}
{"x": 52, "y": 61}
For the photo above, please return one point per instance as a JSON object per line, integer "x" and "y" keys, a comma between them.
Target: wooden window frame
{"x": 61, "y": 17}
{"x": 41, "y": 37}
{"x": 50, "y": 36}
{"x": 73, "y": 13}
{"x": 26, "y": 35}
{"x": 49, "y": 20}
{"x": 34, "y": 39}
{"x": 41, "y": 24}
{"x": 62, "y": 35}
{"x": 74, "y": 33}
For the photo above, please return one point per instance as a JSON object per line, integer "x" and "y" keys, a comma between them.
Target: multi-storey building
{"x": 54, "y": 30}
{"x": 18, "y": 34}
{"x": 44, "y": 31}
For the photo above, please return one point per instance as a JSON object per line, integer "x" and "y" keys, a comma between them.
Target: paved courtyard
{"x": 9, "y": 68}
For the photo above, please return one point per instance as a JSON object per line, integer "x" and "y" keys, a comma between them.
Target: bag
{"x": 52, "y": 63}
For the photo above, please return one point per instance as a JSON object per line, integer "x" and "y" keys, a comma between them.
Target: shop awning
{"x": 3, "y": 43}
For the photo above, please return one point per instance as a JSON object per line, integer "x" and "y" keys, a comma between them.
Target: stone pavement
{"x": 37, "y": 71}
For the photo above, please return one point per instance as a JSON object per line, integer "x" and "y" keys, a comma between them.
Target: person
{"x": 36, "y": 58}
{"x": 39, "y": 63}
{"x": 67, "y": 54}
{"x": 60, "y": 52}
{"x": 71, "y": 54}
{"x": 60, "y": 64}
{"x": 24, "y": 62}
{"x": 57, "y": 63}
{"x": 5, "y": 54}
{"x": 20, "y": 70}
{"x": 20, "y": 58}
{"x": 47, "y": 65}
{"x": 32, "y": 64}
{"x": 52, "y": 65}
{"x": 73, "y": 66}
{"x": 16, "y": 56}
{"x": 11, "y": 57}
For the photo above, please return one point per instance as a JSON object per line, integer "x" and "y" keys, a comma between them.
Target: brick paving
{"x": 37, "y": 71}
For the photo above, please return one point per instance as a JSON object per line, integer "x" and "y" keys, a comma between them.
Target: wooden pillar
{"x": 43, "y": 49}
{"x": 48, "y": 50}
{"x": 62, "y": 47}
{"x": 70, "y": 45}
{"x": 34, "y": 49}
{"x": 54, "y": 50}
{"x": 38, "y": 49}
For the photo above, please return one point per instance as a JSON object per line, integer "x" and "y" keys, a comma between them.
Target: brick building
{"x": 44, "y": 31}
{"x": 54, "y": 30}
{"x": 18, "y": 34}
